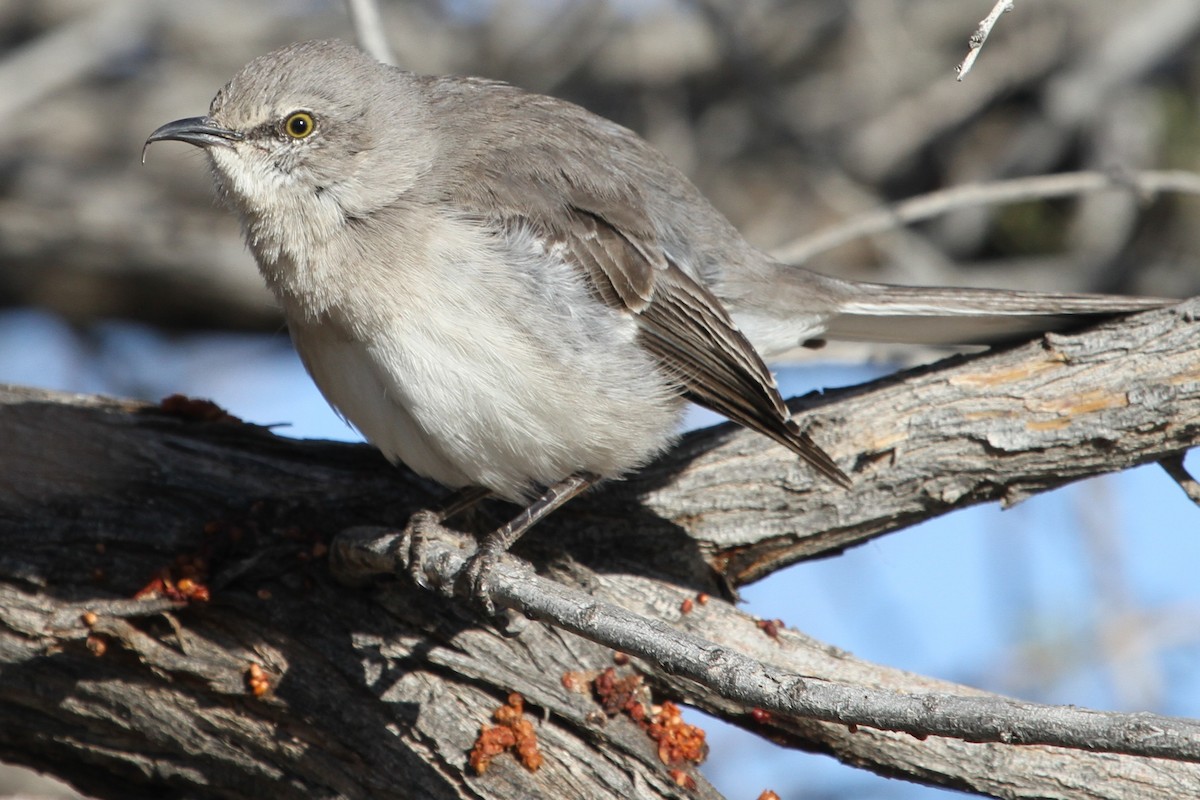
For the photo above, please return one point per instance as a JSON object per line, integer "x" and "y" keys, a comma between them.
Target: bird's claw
{"x": 415, "y": 533}
{"x": 473, "y": 578}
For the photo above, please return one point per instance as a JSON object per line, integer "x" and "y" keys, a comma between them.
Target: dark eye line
{"x": 264, "y": 130}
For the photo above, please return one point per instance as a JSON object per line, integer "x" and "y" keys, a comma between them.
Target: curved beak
{"x": 200, "y": 131}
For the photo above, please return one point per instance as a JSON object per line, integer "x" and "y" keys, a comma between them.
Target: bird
{"x": 516, "y": 297}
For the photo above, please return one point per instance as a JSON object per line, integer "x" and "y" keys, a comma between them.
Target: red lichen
{"x": 678, "y": 742}
{"x": 191, "y": 408}
{"x": 621, "y": 695}
{"x": 183, "y": 581}
{"x": 96, "y": 644}
{"x": 770, "y": 627}
{"x": 512, "y": 732}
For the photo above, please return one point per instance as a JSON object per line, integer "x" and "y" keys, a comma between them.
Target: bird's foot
{"x": 470, "y": 579}
{"x": 473, "y": 578}
{"x": 420, "y": 525}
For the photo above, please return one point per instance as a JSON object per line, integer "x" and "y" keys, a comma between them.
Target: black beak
{"x": 200, "y": 131}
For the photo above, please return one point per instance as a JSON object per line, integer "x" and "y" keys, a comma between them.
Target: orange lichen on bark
{"x": 257, "y": 680}
{"x": 579, "y": 681}
{"x": 512, "y": 732}
{"x": 182, "y": 581}
{"x": 196, "y": 409}
{"x": 678, "y": 741}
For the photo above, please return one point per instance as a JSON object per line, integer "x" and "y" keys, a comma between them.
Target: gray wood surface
{"x": 379, "y": 690}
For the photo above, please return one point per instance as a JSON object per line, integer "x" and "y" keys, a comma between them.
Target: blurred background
{"x": 792, "y": 116}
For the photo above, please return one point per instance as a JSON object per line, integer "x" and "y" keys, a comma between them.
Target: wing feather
{"x": 689, "y": 332}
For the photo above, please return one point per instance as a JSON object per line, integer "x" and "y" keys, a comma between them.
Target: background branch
{"x": 790, "y": 116}
{"x": 1145, "y": 185}
{"x": 980, "y": 36}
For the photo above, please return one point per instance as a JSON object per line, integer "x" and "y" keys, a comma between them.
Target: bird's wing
{"x": 585, "y": 185}
{"x": 687, "y": 330}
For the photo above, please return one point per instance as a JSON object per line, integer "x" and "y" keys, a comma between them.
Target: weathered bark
{"x": 379, "y": 690}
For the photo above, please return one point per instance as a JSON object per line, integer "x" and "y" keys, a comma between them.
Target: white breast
{"x": 481, "y": 359}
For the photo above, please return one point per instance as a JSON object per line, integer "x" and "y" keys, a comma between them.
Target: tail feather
{"x": 952, "y": 316}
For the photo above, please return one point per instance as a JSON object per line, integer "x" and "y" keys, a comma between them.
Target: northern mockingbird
{"x": 503, "y": 290}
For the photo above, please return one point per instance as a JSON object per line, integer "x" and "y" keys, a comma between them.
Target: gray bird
{"x": 502, "y": 290}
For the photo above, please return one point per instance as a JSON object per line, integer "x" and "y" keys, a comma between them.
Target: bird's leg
{"x": 498, "y": 541}
{"x": 461, "y": 500}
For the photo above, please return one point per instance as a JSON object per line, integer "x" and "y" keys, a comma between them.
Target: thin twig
{"x": 368, "y": 29}
{"x": 361, "y": 552}
{"x": 980, "y": 36}
{"x": 1175, "y": 468}
{"x": 1016, "y": 190}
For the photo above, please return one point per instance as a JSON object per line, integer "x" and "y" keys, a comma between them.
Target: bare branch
{"x": 1147, "y": 183}
{"x": 100, "y": 496}
{"x": 1174, "y": 467}
{"x": 368, "y": 29}
{"x": 980, "y": 36}
{"x": 72, "y": 50}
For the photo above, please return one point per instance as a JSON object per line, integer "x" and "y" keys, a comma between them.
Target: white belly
{"x": 504, "y": 377}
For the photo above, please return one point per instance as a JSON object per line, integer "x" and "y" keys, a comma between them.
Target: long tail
{"x": 947, "y": 316}
{"x": 786, "y": 309}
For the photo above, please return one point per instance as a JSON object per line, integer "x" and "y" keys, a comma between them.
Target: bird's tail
{"x": 802, "y": 308}
{"x": 879, "y": 312}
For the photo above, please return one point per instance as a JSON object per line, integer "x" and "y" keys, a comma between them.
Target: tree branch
{"x": 981, "y": 34}
{"x": 380, "y": 691}
{"x": 968, "y": 430}
{"x": 1146, "y": 183}
{"x": 371, "y": 552}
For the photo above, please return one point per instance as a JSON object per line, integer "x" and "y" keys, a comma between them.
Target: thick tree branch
{"x": 379, "y": 691}
{"x": 367, "y": 552}
{"x": 969, "y": 430}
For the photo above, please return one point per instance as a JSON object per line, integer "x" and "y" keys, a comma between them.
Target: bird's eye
{"x": 299, "y": 125}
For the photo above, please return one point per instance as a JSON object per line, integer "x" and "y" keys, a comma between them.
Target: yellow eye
{"x": 299, "y": 124}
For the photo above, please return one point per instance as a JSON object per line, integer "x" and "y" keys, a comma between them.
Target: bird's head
{"x": 307, "y": 138}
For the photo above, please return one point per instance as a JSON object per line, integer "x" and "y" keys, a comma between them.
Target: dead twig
{"x": 980, "y": 36}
